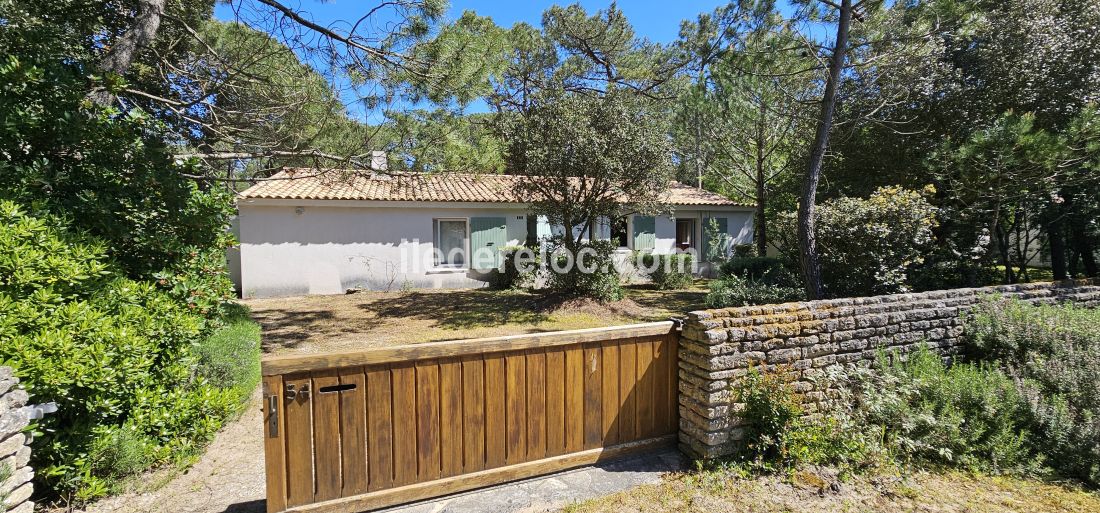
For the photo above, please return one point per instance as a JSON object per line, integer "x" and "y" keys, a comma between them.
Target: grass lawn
{"x": 949, "y": 492}
{"x": 372, "y": 319}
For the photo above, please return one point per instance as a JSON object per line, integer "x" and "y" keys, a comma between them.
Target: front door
{"x": 685, "y": 234}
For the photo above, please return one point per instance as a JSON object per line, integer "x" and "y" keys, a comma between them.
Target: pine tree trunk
{"x": 761, "y": 190}
{"x": 121, "y": 54}
{"x": 807, "y": 238}
{"x": 1056, "y": 237}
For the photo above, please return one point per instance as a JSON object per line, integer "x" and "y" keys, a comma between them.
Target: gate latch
{"x": 273, "y": 415}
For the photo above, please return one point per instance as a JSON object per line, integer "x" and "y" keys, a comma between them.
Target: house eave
{"x": 290, "y": 202}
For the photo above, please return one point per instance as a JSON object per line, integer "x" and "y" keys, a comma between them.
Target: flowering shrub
{"x": 868, "y": 246}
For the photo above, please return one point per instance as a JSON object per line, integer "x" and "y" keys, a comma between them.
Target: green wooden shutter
{"x": 487, "y": 236}
{"x": 721, "y": 240}
{"x": 644, "y": 232}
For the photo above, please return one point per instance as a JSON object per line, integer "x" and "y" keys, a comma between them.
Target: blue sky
{"x": 659, "y": 21}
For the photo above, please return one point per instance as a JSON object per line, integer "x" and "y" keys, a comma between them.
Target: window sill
{"x": 446, "y": 270}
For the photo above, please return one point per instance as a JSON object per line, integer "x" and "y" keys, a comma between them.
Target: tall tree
{"x": 741, "y": 126}
{"x": 807, "y": 237}
{"x": 979, "y": 59}
{"x": 163, "y": 58}
{"x": 589, "y": 157}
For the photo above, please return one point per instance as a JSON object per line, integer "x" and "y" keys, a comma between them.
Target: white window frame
{"x": 435, "y": 244}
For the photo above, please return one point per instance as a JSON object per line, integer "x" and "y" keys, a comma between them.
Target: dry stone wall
{"x": 15, "y": 450}
{"x": 811, "y": 339}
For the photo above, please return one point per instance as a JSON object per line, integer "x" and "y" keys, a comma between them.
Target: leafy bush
{"x": 113, "y": 353}
{"x": 778, "y": 436}
{"x": 745, "y": 251}
{"x": 1053, "y": 352}
{"x": 595, "y": 276}
{"x": 768, "y": 270}
{"x": 869, "y": 246}
{"x": 669, "y": 272}
{"x": 963, "y": 415}
{"x": 734, "y": 290}
{"x": 753, "y": 281}
{"x": 510, "y": 276}
{"x": 200, "y": 280}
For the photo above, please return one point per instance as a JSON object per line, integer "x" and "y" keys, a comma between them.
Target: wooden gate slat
{"x": 473, "y": 419}
{"x": 674, "y": 382}
{"x": 274, "y": 443}
{"x": 494, "y": 411}
{"x": 536, "y": 405}
{"x": 404, "y": 425}
{"x": 644, "y": 388}
{"x": 661, "y": 410}
{"x": 610, "y": 391}
{"x": 299, "y": 443}
{"x": 429, "y": 461}
{"x": 380, "y": 430}
{"x": 555, "y": 403}
{"x": 450, "y": 414}
{"x": 574, "y": 399}
{"x": 593, "y": 397}
{"x": 515, "y": 413}
{"x": 628, "y": 380}
{"x": 326, "y": 435}
{"x": 353, "y": 431}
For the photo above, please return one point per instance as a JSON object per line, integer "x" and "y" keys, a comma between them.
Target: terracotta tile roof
{"x": 310, "y": 184}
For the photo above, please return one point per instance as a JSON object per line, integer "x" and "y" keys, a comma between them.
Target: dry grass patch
{"x": 726, "y": 491}
{"x": 374, "y": 319}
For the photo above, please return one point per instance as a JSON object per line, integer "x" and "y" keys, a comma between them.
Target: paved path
{"x": 551, "y": 493}
{"x": 229, "y": 478}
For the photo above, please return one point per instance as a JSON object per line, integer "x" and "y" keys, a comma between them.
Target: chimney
{"x": 378, "y": 161}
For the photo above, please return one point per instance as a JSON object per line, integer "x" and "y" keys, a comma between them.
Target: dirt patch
{"x": 625, "y": 308}
{"x": 373, "y": 319}
{"x": 818, "y": 490}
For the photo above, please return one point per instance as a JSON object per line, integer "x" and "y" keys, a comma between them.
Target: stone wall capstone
{"x": 811, "y": 338}
{"x": 15, "y": 450}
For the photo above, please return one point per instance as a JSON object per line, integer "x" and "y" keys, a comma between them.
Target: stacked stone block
{"x": 15, "y": 450}
{"x": 807, "y": 340}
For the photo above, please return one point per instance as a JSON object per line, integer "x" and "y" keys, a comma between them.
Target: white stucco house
{"x": 307, "y": 232}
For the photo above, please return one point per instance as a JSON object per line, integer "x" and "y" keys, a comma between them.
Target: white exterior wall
{"x": 329, "y": 249}
{"x": 332, "y": 246}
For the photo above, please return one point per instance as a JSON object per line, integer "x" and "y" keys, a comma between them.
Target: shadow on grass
{"x": 668, "y": 303}
{"x": 288, "y": 328}
{"x": 461, "y": 309}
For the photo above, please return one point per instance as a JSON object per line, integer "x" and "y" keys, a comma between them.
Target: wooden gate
{"x": 361, "y": 430}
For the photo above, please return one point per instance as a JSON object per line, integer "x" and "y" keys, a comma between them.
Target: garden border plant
{"x": 131, "y": 367}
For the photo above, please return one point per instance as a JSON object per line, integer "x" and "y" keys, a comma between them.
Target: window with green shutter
{"x": 645, "y": 232}
{"x": 487, "y": 236}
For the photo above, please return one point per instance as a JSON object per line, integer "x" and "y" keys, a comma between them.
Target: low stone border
{"x": 15, "y": 450}
{"x": 816, "y": 337}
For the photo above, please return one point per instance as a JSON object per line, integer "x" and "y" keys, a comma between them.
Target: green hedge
{"x": 117, "y": 356}
{"x": 669, "y": 272}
